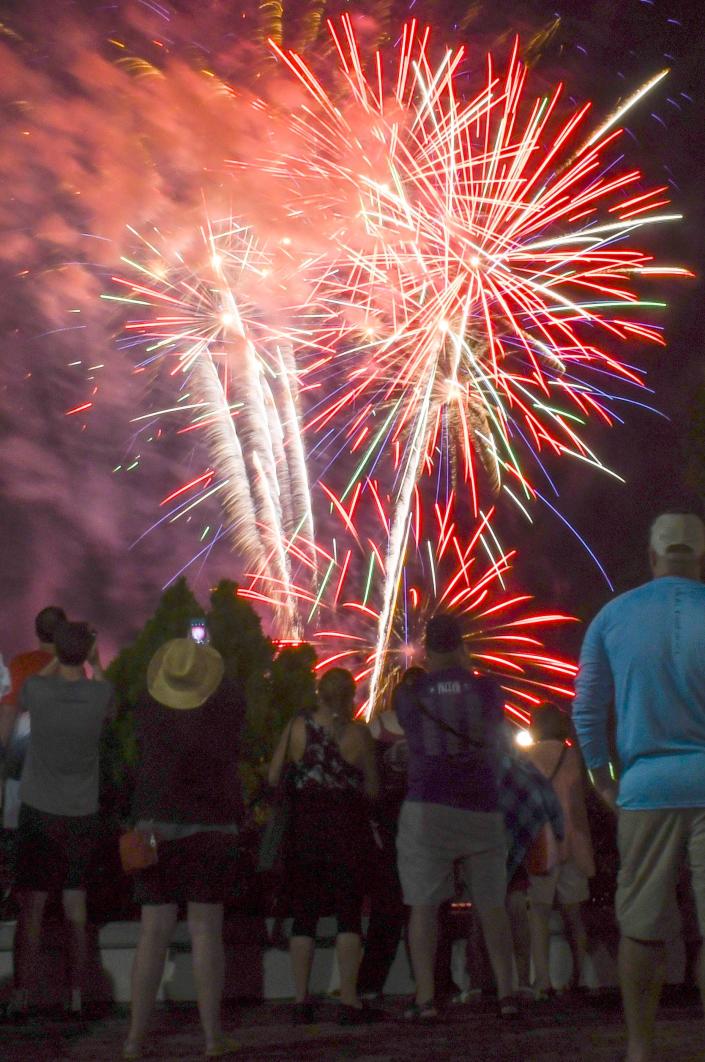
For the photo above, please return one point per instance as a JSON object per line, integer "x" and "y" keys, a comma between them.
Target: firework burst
{"x": 205, "y": 323}
{"x": 469, "y": 576}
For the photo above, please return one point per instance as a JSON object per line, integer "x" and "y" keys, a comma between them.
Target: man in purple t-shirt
{"x": 454, "y": 724}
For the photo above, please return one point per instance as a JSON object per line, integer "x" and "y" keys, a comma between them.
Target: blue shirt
{"x": 443, "y": 769}
{"x": 645, "y": 652}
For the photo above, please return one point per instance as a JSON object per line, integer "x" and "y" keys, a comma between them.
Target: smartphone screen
{"x": 199, "y": 631}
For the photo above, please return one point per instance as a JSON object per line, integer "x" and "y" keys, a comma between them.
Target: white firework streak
{"x": 295, "y": 454}
{"x": 228, "y": 457}
{"x": 399, "y": 533}
{"x": 257, "y": 429}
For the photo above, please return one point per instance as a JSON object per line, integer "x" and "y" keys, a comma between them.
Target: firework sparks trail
{"x": 300, "y": 518}
{"x": 476, "y": 228}
{"x": 256, "y": 443}
{"x": 457, "y": 284}
{"x": 464, "y": 219}
{"x": 445, "y": 572}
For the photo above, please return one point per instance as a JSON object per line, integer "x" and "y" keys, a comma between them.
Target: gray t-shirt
{"x": 61, "y": 772}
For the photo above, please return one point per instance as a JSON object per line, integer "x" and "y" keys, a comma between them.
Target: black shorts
{"x": 196, "y": 869}
{"x": 53, "y": 851}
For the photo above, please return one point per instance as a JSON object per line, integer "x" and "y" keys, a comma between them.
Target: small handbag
{"x": 138, "y": 850}
{"x": 542, "y": 855}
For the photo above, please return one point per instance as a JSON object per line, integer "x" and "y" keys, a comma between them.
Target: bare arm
{"x": 93, "y": 659}
{"x": 368, "y": 764}
{"x": 288, "y": 749}
{"x": 605, "y": 785}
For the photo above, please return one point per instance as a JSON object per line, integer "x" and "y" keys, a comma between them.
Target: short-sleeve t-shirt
{"x": 443, "y": 769}
{"x": 187, "y": 771}
{"x": 61, "y": 771}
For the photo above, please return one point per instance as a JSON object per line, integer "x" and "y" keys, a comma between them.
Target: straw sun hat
{"x": 182, "y": 674}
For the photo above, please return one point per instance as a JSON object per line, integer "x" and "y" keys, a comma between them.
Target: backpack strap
{"x": 559, "y": 761}
{"x": 468, "y": 742}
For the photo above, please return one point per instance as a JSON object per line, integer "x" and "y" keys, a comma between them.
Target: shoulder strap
{"x": 468, "y": 742}
{"x": 559, "y": 761}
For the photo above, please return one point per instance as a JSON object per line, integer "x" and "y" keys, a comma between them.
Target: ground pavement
{"x": 566, "y": 1030}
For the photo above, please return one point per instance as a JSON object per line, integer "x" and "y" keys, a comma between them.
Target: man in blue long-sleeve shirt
{"x": 645, "y": 653}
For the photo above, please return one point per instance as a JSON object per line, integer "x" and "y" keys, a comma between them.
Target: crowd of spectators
{"x": 433, "y": 803}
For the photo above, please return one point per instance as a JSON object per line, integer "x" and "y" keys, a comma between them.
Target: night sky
{"x": 75, "y": 171}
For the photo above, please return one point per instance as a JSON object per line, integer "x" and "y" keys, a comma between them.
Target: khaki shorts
{"x": 433, "y": 837}
{"x": 653, "y": 845}
{"x": 565, "y": 883}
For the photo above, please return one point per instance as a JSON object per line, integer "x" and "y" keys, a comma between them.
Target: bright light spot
{"x": 475, "y": 260}
{"x": 524, "y": 739}
{"x": 443, "y": 326}
{"x": 369, "y": 330}
{"x": 226, "y": 319}
{"x": 286, "y": 241}
{"x": 216, "y": 261}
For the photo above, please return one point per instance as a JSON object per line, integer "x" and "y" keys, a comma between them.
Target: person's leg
{"x": 498, "y": 939}
{"x": 301, "y": 949}
{"x": 521, "y": 937}
{"x": 577, "y": 939}
{"x": 74, "y": 903}
{"x": 28, "y": 933}
{"x": 423, "y": 940}
{"x": 486, "y": 872}
{"x": 652, "y": 846}
{"x": 696, "y": 861}
{"x": 386, "y": 922}
{"x": 348, "y": 892}
{"x": 539, "y": 928}
{"x": 308, "y": 884}
{"x": 348, "y": 950}
{"x": 156, "y": 928}
{"x": 384, "y": 932}
{"x": 642, "y": 967}
{"x": 205, "y": 923}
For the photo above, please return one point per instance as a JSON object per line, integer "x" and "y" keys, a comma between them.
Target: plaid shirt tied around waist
{"x": 527, "y": 801}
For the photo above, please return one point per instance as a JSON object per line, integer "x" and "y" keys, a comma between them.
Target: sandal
{"x": 424, "y": 1012}
{"x": 225, "y": 1046}
{"x": 364, "y": 1015}
{"x": 508, "y": 1009}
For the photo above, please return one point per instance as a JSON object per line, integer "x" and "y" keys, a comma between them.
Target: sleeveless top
{"x": 322, "y": 765}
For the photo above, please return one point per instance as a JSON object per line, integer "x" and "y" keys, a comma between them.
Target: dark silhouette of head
{"x": 73, "y": 642}
{"x": 549, "y": 723}
{"x": 336, "y": 692}
{"x": 46, "y": 622}
{"x": 444, "y": 642}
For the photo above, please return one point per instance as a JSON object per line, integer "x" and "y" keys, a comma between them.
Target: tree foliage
{"x": 276, "y": 685}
